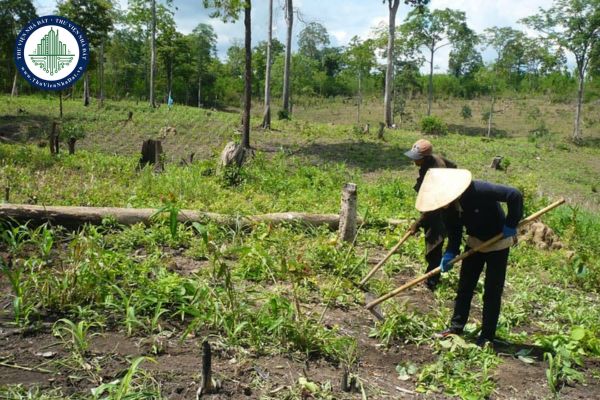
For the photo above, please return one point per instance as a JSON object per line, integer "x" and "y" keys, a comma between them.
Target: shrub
{"x": 539, "y": 132}
{"x": 283, "y": 114}
{"x": 72, "y": 129}
{"x": 466, "y": 112}
{"x": 433, "y": 125}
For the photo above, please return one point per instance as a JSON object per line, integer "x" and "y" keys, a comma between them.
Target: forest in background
{"x": 187, "y": 65}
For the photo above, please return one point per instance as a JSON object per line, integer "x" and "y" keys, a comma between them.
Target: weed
{"x": 462, "y": 370}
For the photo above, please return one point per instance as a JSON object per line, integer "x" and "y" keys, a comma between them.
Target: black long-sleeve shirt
{"x": 481, "y": 215}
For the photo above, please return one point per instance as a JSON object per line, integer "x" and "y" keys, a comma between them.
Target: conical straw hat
{"x": 441, "y": 186}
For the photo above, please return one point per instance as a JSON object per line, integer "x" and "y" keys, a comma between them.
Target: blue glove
{"x": 507, "y": 231}
{"x": 445, "y": 264}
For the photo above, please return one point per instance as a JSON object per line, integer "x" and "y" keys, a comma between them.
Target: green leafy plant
{"x": 462, "y": 369}
{"x": 172, "y": 209}
{"x": 22, "y": 310}
{"x": 433, "y": 125}
{"x": 564, "y": 355}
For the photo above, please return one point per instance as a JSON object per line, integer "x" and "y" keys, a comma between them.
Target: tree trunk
{"x": 153, "y": 54}
{"x": 14, "y": 92}
{"x": 170, "y": 77}
{"x": 60, "y": 99}
{"x": 489, "y": 132}
{"x": 577, "y": 127}
{"x": 86, "y": 89}
{"x": 430, "y": 88}
{"x": 267, "y": 114}
{"x": 247, "y": 75}
{"x": 199, "y": 89}
{"x": 389, "y": 72}
{"x": 289, "y": 19}
{"x": 73, "y": 217}
{"x": 101, "y": 73}
{"x": 358, "y": 100}
{"x": 52, "y": 138}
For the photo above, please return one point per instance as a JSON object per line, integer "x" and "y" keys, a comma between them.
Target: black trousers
{"x": 433, "y": 258}
{"x": 495, "y": 275}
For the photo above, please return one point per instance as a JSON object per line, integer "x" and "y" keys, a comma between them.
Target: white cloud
{"x": 341, "y": 36}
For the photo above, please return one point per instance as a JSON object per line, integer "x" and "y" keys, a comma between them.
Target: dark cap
{"x": 420, "y": 149}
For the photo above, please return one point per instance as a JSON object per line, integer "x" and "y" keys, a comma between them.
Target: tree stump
{"x": 152, "y": 154}
{"x": 366, "y": 129}
{"x": 187, "y": 161}
{"x": 496, "y": 162}
{"x": 348, "y": 215}
{"x": 71, "y": 144}
{"x": 380, "y": 131}
{"x": 207, "y": 384}
{"x": 130, "y": 116}
{"x": 53, "y": 139}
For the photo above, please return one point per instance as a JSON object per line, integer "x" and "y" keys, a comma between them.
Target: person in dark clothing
{"x": 432, "y": 223}
{"x": 474, "y": 206}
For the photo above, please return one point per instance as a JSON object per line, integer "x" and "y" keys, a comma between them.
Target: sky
{"x": 343, "y": 19}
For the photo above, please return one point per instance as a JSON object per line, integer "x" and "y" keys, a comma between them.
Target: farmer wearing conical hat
{"x": 432, "y": 223}
{"x": 474, "y": 205}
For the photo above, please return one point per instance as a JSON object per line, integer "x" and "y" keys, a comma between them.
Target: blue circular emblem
{"x": 51, "y": 52}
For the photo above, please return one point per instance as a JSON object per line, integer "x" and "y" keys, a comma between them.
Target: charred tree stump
{"x": 7, "y": 194}
{"x": 348, "y": 216}
{"x": 152, "y": 154}
{"x": 380, "y": 131}
{"x": 496, "y": 162}
{"x": 130, "y": 116}
{"x": 71, "y": 144}
{"x": 207, "y": 384}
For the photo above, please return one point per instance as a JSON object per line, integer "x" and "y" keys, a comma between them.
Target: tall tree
{"x": 289, "y": 20}
{"x": 312, "y": 39}
{"x": 97, "y": 18}
{"x": 434, "y": 30}
{"x": 573, "y": 25}
{"x": 360, "y": 57}
{"x": 149, "y": 20}
{"x": 229, "y": 10}
{"x": 204, "y": 45}
{"x": 266, "y": 124}
{"x": 152, "y": 51}
{"x": 14, "y": 14}
{"x": 389, "y": 72}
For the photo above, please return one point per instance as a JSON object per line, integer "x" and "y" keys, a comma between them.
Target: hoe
{"x": 371, "y": 305}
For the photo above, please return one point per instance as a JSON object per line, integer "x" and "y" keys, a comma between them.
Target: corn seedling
{"x": 128, "y": 387}
{"x": 74, "y": 335}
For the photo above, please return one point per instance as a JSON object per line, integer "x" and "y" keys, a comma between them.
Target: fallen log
{"x": 74, "y": 217}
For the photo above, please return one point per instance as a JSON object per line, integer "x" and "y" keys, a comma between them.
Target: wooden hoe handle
{"x": 462, "y": 256}
{"x": 409, "y": 232}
